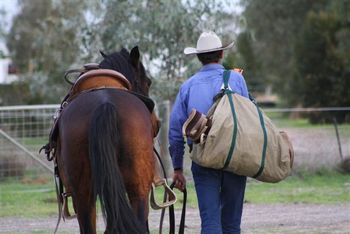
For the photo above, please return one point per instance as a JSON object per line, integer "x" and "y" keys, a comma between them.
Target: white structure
{"x": 7, "y": 70}
{"x": 7, "y": 73}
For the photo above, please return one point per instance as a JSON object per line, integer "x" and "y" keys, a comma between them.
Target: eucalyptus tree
{"x": 322, "y": 61}
{"x": 50, "y": 36}
{"x": 43, "y": 42}
{"x": 162, "y": 29}
{"x": 275, "y": 27}
{"x": 303, "y": 49}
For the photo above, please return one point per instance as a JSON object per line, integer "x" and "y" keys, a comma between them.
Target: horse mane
{"x": 120, "y": 61}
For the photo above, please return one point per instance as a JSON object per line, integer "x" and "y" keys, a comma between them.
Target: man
{"x": 220, "y": 193}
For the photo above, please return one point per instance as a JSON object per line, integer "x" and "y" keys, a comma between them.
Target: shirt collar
{"x": 211, "y": 66}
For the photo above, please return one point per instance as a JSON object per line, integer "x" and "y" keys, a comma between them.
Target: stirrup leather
{"x": 65, "y": 210}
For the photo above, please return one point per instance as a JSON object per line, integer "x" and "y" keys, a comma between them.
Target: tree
{"x": 43, "y": 43}
{"x": 322, "y": 74}
{"x": 2, "y": 32}
{"x": 50, "y": 36}
{"x": 275, "y": 25}
{"x": 303, "y": 49}
{"x": 252, "y": 68}
{"x": 162, "y": 29}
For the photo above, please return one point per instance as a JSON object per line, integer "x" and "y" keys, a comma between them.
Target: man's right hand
{"x": 179, "y": 179}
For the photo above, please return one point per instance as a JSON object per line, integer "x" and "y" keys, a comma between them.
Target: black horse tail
{"x": 108, "y": 183}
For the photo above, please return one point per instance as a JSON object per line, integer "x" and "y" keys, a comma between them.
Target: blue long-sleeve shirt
{"x": 198, "y": 93}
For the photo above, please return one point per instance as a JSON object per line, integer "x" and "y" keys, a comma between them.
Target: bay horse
{"x": 105, "y": 150}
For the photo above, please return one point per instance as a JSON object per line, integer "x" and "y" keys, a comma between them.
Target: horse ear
{"x": 135, "y": 56}
{"x": 103, "y": 54}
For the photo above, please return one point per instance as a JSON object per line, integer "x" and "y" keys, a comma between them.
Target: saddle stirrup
{"x": 169, "y": 193}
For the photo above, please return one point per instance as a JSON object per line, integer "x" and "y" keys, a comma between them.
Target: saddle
{"x": 91, "y": 78}
{"x": 100, "y": 78}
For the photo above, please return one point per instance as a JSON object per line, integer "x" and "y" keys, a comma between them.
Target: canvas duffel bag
{"x": 241, "y": 139}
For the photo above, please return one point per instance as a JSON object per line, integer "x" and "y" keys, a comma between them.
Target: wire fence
{"x": 23, "y": 131}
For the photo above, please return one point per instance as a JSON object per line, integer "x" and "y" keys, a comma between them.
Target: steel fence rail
{"x": 297, "y": 109}
{"x": 29, "y": 107}
{"x": 310, "y": 109}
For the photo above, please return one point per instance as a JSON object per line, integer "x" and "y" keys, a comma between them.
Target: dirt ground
{"x": 276, "y": 218}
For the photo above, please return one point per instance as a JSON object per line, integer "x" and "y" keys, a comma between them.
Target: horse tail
{"x": 108, "y": 184}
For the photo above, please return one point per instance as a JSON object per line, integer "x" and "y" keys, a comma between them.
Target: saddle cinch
{"x": 91, "y": 77}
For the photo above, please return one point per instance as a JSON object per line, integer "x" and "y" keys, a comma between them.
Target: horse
{"x": 105, "y": 150}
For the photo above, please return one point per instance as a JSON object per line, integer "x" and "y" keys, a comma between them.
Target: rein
{"x": 171, "y": 208}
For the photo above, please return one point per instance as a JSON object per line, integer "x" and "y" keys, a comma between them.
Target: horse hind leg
{"x": 83, "y": 201}
{"x": 141, "y": 209}
{"x": 86, "y": 215}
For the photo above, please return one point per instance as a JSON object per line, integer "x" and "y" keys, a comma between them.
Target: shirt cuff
{"x": 177, "y": 155}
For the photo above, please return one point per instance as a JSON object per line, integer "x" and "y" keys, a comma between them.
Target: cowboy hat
{"x": 207, "y": 42}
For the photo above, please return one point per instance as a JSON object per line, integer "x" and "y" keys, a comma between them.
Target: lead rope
{"x": 183, "y": 214}
{"x": 171, "y": 208}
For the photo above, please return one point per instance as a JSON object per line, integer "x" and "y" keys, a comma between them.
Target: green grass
{"x": 35, "y": 140}
{"x": 28, "y": 200}
{"x": 282, "y": 120}
{"x": 39, "y": 200}
{"x": 323, "y": 188}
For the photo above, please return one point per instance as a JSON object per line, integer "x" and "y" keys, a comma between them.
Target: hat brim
{"x": 191, "y": 50}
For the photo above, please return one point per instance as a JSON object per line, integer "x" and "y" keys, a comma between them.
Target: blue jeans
{"x": 220, "y": 199}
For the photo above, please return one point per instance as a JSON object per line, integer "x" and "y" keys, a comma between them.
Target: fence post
{"x": 164, "y": 114}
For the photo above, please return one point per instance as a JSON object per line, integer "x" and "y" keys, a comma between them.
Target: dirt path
{"x": 276, "y": 218}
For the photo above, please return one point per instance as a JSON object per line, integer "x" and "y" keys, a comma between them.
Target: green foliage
{"x": 255, "y": 80}
{"x": 43, "y": 43}
{"x": 2, "y": 32}
{"x": 50, "y": 36}
{"x": 322, "y": 72}
{"x": 14, "y": 94}
{"x": 162, "y": 29}
{"x": 274, "y": 26}
{"x": 303, "y": 49}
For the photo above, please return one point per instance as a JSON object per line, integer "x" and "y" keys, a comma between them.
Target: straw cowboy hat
{"x": 207, "y": 42}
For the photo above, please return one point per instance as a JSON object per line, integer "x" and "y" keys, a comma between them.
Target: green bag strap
{"x": 226, "y": 77}
{"x": 263, "y": 154}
